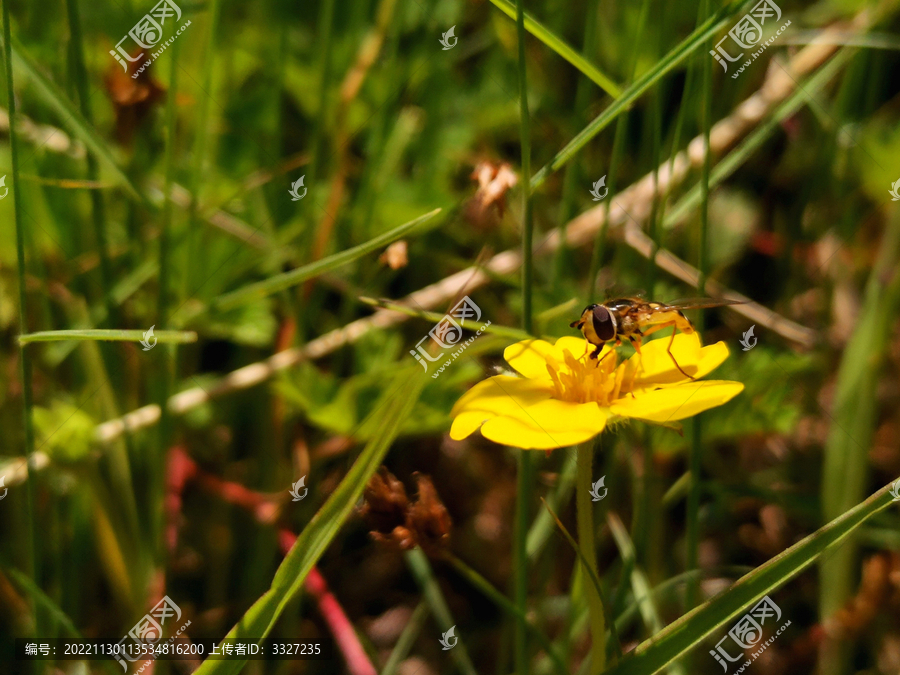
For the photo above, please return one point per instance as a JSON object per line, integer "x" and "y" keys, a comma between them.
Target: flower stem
{"x": 524, "y": 488}
{"x": 693, "y": 502}
{"x": 585, "y": 515}
{"x": 524, "y": 481}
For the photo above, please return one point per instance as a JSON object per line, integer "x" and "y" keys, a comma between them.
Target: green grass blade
{"x": 726, "y": 166}
{"x": 687, "y": 47}
{"x": 98, "y": 212}
{"x": 592, "y": 574}
{"x": 421, "y": 569}
{"x": 855, "y": 415}
{"x": 259, "y": 619}
{"x": 692, "y": 516}
{"x": 70, "y": 116}
{"x": 406, "y": 640}
{"x": 543, "y": 524}
{"x": 678, "y": 638}
{"x": 113, "y": 335}
{"x": 45, "y": 601}
{"x": 485, "y": 586}
{"x": 559, "y": 45}
{"x": 32, "y": 546}
{"x": 280, "y": 282}
{"x": 640, "y": 585}
{"x": 434, "y": 317}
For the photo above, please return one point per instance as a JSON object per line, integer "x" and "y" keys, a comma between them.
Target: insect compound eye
{"x": 604, "y": 324}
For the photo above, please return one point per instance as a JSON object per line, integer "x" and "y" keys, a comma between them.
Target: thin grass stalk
{"x": 407, "y": 639}
{"x": 655, "y": 153}
{"x": 32, "y": 554}
{"x": 107, "y": 334}
{"x": 585, "y": 518}
{"x": 693, "y": 501}
{"x": 726, "y": 166}
{"x": 524, "y": 482}
{"x": 194, "y": 231}
{"x": 525, "y": 140}
{"x": 559, "y": 46}
{"x": 599, "y": 251}
{"x": 644, "y": 524}
{"x": 163, "y": 300}
{"x": 542, "y": 527}
{"x": 846, "y": 469}
{"x": 98, "y": 215}
{"x": 573, "y": 170}
{"x": 324, "y": 31}
{"x": 503, "y": 603}
{"x": 690, "y": 44}
{"x": 421, "y": 569}
{"x": 676, "y": 138}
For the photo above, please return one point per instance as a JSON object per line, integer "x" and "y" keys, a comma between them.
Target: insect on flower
{"x": 633, "y": 319}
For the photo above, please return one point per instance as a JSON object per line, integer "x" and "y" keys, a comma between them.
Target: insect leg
{"x": 635, "y": 342}
{"x": 672, "y": 356}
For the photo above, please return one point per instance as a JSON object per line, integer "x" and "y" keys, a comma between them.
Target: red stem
{"x": 182, "y": 469}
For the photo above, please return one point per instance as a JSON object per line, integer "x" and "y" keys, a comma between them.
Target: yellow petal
{"x": 467, "y": 423}
{"x": 494, "y": 396}
{"x": 546, "y": 425}
{"x": 677, "y": 402}
{"x": 529, "y": 357}
{"x": 655, "y": 366}
{"x": 500, "y": 393}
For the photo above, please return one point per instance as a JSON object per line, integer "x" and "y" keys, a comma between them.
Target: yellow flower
{"x": 564, "y": 397}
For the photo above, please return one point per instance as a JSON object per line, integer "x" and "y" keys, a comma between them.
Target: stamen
{"x": 557, "y": 385}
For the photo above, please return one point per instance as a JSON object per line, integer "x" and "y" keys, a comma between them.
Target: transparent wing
{"x": 616, "y": 291}
{"x": 702, "y": 303}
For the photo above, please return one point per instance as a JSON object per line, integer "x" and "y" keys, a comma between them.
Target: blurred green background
{"x": 144, "y": 201}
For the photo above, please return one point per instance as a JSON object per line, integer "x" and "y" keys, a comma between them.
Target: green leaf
{"x": 676, "y": 639}
{"x": 315, "y": 538}
{"x": 64, "y": 431}
{"x": 558, "y": 45}
{"x": 70, "y": 116}
{"x": 113, "y": 335}
{"x": 280, "y": 282}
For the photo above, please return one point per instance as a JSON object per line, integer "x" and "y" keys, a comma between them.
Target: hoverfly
{"x": 633, "y": 319}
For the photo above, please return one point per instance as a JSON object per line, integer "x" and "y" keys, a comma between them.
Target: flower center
{"x": 582, "y": 380}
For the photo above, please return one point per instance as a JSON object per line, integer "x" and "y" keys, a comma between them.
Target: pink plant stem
{"x": 344, "y": 634}
{"x": 182, "y": 468}
{"x": 179, "y": 470}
